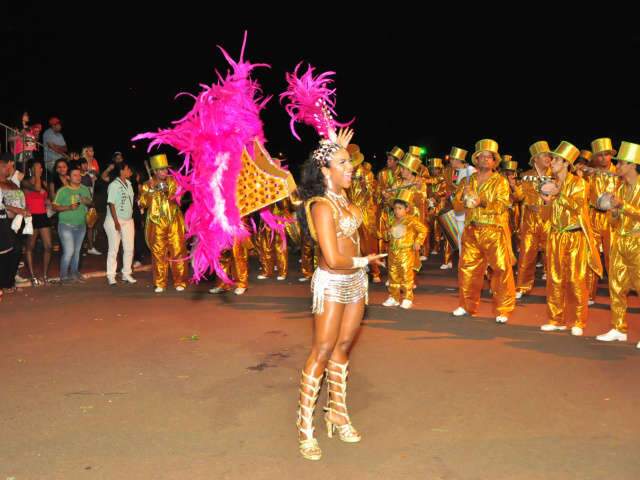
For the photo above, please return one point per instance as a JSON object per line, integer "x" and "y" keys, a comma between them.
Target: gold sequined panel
{"x": 261, "y": 182}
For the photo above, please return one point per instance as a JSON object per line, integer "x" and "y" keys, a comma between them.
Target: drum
{"x": 450, "y": 227}
{"x": 604, "y": 202}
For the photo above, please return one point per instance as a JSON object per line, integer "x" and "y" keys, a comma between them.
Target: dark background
{"x": 433, "y": 81}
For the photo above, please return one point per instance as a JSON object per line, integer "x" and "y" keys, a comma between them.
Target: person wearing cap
{"x": 459, "y": 170}
{"x": 509, "y": 168}
{"x": 385, "y": 180}
{"x": 600, "y": 182}
{"x": 624, "y": 206}
{"x": 581, "y": 163}
{"x": 534, "y": 223}
{"x": 362, "y": 193}
{"x": 405, "y": 238}
{"x": 436, "y": 193}
{"x": 164, "y": 229}
{"x": 486, "y": 240}
{"x": 571, "y": 249}
{"x": 409, "y": 180}
{"x": 55, "y": 146}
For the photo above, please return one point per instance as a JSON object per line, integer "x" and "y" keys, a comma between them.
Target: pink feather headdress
{"x": 224, "y": 120}
{"x": 312, "y": 102}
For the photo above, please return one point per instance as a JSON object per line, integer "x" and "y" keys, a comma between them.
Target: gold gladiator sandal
{"x": 309, "y": 447}
{"x": 346, "y": 433}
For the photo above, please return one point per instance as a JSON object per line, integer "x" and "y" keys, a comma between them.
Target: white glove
{"x": 28, "y": 226}
{"x": 17, "y": 223}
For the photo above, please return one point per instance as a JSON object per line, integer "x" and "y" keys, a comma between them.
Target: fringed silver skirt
{"x": 339, "y": 288}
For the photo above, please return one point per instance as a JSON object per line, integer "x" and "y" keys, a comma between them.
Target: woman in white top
{"x": 119, "y": 224}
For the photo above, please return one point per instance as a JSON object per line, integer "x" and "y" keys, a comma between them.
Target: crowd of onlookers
{"x": 53, "y": 198}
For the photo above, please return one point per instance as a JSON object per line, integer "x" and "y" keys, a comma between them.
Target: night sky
{"x": 434, "y": 82}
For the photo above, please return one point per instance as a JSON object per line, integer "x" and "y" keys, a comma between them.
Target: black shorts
{"x": 40, "y": 220}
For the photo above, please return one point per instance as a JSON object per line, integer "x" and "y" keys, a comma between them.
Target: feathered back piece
{"x": 225, "y": 118}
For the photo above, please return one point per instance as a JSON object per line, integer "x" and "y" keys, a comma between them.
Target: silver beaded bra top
{"x": 347, "y": 224}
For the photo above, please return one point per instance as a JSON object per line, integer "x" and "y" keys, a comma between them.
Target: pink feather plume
{"x": 311, "y": 101}
{"x": 225, "y": 118}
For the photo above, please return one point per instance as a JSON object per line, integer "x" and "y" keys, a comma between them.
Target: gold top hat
{"x": 567, "y": 151}
{"x": 356, "y": 156}
{"x": 586, "y": 154}
{"x": 507, "y": 158}
{"x": 435, "y": 163}
{"x": 509, "y": 165}
{"x": 602, "y": 145}
{"x": 486, "y": 145}
{"x": 537, "y": 148}
{"x": 397, "y": 153}
{"x": 411, "y": 163}
{"x": 416, "y": 151}
{"x": 458, "y": 154}
{"x": 158, "y": 162}
{"x": 629, "y": 152}
{"x": 405, "y": 195}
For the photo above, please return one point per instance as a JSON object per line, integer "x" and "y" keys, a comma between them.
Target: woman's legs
{"x": 46, "y": 237}
{"x": 31, "y": 244}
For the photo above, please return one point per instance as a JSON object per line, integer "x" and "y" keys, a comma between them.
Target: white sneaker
{"x": 591, "y": 302}
{"x": 137, "y": 264}
{"x": 93, "y": 251}
{"x": 406, "y": 304}
{"x": 544, "y": 276}
{"x": 128, "y": 278}
{"x": 303, "y": 279}
{"x": 262, "y": 277}
{"x": 576, "y": 331}
{"x": 638, "y": 345}
{"x": 20, "y": 279}
{"x": 519, "y": 295}
{"x": 159, "y": 290}
{"x": 549, "y": 327}
{"x": 239, "y": 291}
{"x": 215, "y": 290}
{"x": 111, "y": 280}
{"x": 501, "y": 319}
{"x": 390, "y": 302}
{"x": 179, "y": 288}
{"x": 460, "y": 312}
{"x": 386, "y": 284}
{"x": 377, "y": 280}
{"x": 612, "y": 336}
{"x": 446, "y": 266}
{"x": 280, "y": 277}
{"x": 423, "y": 258}
{"x": 539, "y": 265}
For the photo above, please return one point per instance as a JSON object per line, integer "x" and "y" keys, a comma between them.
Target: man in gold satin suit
{"x": 457, "y": 171}
{"x": 571, "y": 249}
{"x": 363, "y": 193}
{"x": 624, "y": 206}
{"x": 406, "y": 236}
{"x": 601, "y": 179}
{"x": 436, "y": 194}
{"x": 164, "y": 228}
{"x": 386, "y": 178}
{"x": 486, "y": 241}
{"x": 534, "y": 224}
{"x": 509, "y": 168}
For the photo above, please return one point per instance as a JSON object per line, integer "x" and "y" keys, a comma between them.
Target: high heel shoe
{"x": 346, "y": 432}
{"x": 309, "y": 447}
